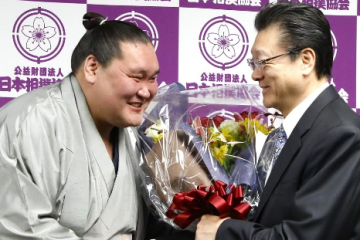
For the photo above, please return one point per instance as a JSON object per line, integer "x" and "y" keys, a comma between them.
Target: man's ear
{"x": 308, "y": 59}
{"x": 91, "y": 66}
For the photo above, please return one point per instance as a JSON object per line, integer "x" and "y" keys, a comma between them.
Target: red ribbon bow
{"x": 187, "y": 207}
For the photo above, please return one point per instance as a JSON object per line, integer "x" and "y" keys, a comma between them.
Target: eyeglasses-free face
{"x": 260, "y": 64}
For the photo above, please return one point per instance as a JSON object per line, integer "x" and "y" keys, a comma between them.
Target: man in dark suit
{"x": 313, "y": 189}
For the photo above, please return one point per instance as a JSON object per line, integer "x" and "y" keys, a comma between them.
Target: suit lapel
{"x": 293, "y": 144}
{"x": 290, "y": 149}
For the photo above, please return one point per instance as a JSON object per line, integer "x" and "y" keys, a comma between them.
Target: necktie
{"x": 280, "y": 142}
{"x": 273, "y": 153}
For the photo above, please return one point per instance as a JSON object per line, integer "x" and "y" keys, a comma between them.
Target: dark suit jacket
{"x": 313, "y": 192}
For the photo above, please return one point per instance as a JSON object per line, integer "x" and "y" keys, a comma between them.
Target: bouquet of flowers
{"x": 227, "y": 138}
{"x": 200, "y": 152}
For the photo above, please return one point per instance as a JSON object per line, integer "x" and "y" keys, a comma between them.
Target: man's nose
{"x": 257, "y": 74}
{"x": 144, "y": 91}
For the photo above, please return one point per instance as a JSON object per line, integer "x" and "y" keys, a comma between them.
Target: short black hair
{"x": 103, "y": 39}
{"x": 302, "y": 26}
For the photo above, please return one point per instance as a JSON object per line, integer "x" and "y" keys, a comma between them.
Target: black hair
{"x": 302, "y": 26}
{"x": 103, "y": 39}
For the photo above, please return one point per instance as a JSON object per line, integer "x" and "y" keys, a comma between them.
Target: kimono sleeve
{"x": 33, "y": 170}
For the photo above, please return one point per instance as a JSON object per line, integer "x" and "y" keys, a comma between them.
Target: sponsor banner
{"x": 239, "y": 5}
{"x": 344, "y": 65}
{"x": 199, "y": 43}
{"x": 59, "y": 1}
{"x": 357, "y": 62}
{"x": 161, "y": 24}
{"x": 214, "y": 46}
{"x": 148, "y": 3}
{"x": 332, "y": 7}
{"x": 37, "y": 42}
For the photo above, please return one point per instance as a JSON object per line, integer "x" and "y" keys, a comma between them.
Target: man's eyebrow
{"x": 258, "y": 52}
{"x": 143, "y": 72}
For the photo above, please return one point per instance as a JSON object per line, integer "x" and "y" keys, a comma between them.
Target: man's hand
{"x": 207, "y": 227}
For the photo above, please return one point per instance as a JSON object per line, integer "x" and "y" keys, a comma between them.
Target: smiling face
{"x": 281, "y": 79}
{"x": 121, "y": 92}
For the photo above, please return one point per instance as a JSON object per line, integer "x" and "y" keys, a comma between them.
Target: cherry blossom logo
{"x": 223, "y": 42}
{"x": 145, "y": 31}
{"x": 344, "y": 95}
{"x": 38, "y": 35}
{"x": 334, "y": 44}
{"x": 144, "y": 23}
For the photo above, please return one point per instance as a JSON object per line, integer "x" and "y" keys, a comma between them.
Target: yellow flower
{"x": 252, "y": 125}
{"x": 230, "y": 129}
{"x": 157, "y": 139}
{"x": 228, "y": 135}
{"x": 261, "y": 127}
{"x": 231, "y": 137}
{"x": 219, "y": 153}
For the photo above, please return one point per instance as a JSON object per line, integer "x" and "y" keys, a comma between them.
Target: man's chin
{"x": 135, "y": 123}
{"x": 267, "y": 105}
{"x": 129, "y": 123}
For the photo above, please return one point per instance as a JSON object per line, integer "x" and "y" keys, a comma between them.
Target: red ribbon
{"x": 186, "y": 207}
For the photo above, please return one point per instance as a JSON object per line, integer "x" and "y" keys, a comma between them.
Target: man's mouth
{"x": 265, "y": 89}
{"x": 135, "y": 104}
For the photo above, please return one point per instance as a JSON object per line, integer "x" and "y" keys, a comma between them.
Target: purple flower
{"x": 38, "y": 35}
{"x": 223, "y": 42}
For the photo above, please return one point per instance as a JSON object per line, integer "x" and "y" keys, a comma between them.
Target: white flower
{"x": 223, "y": 42}
{"x": 230, "y": 125}
{"x": 155, "y": 131}
{"x": 38, "y": 35}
